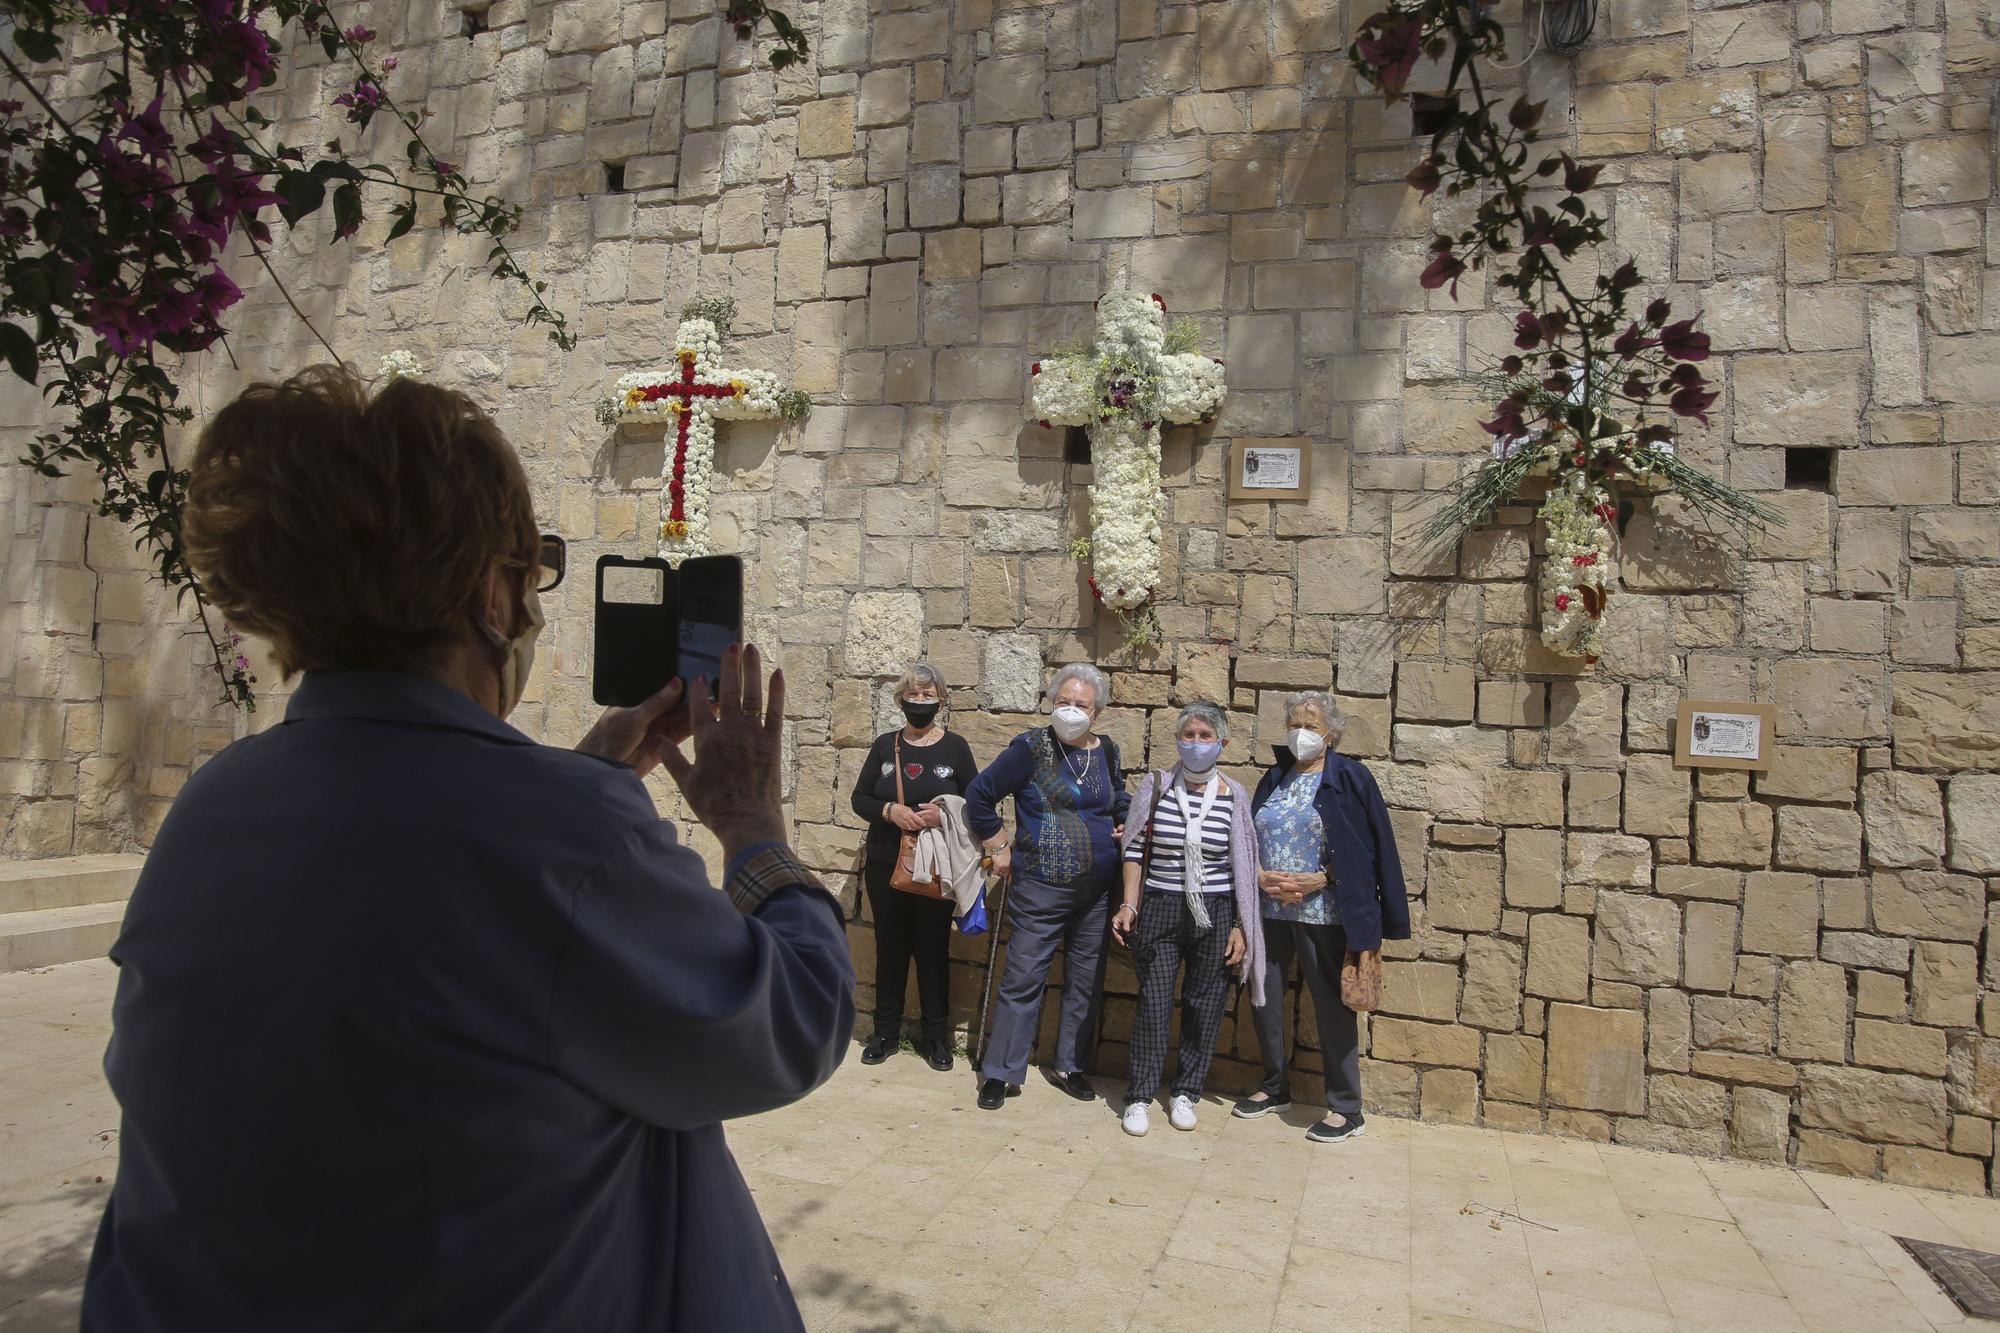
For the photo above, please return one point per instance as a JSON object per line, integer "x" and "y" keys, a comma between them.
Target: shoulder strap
{"x": 899, "y": 770}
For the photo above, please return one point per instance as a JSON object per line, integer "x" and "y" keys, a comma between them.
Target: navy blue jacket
{"x": 1066, "y": 847}
{"x": 422, "y": 1025}
{"x": 1364, "y": 871}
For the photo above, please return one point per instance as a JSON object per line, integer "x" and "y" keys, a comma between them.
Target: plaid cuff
{"x": 762, "y": 872}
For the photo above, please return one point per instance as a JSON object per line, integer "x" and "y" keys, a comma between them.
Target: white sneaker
{"x": 1180, "y": 1112}
{"x": 1136, "y": 1121}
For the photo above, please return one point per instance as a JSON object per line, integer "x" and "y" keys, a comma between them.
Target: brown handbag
{"x": 903, "y": 878}
{"x": 1361, "y": 981}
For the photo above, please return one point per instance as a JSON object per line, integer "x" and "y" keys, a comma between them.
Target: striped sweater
{"x": 1242, "y": 863}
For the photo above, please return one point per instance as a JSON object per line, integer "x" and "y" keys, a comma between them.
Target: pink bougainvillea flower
{"x": 359, "y": 34}
{"x": 1527, "y": 330}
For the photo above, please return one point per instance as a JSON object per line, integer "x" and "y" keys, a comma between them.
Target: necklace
{"x": 1083, "y": 774}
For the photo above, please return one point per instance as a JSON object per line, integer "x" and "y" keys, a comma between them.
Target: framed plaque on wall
{"x": 1267, "y": 469}
{"x": 1719, "y": 734}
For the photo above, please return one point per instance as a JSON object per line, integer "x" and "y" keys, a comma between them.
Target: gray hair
{"x": 1336, "y": 725}
{"x": 921, "y": 673}
{"x": 1086, "y": 673}
{"x": 1201, "y": 710}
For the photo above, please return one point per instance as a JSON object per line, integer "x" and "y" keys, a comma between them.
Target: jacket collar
{"x": 1287, "y": 761}
{"x": 395, "y": 698}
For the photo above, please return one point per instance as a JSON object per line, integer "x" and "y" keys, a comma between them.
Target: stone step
{"x": 66, "y": 881}
{"x": 54, "y": 935}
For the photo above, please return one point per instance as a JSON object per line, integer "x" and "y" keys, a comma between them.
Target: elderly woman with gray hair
{"x": 1191, "y": 907}
{"x": 1332, "y": 885}
{"x": 1069, "y": 807}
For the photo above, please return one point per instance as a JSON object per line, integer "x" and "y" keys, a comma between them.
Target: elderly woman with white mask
{"x": 1191, "y": 906}
{"x": 1069, "y": 806}
{"x": 1333, "y": 885}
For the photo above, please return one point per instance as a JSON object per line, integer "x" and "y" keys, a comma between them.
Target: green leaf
{"x": 302, "y": 192}
{"x": 19, "y": 349}
{"x": 37, "y": 44}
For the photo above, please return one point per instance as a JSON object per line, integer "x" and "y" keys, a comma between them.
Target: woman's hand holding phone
{"x": 733, "y": 784}
{"x": 640, "y": 735}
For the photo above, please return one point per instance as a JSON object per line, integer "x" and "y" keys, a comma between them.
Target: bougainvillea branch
{"x": 119, "y": 209}
{"x": 1591, "y": 392}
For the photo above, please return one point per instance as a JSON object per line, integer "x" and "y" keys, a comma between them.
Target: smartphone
{"x": 655, "y": 622}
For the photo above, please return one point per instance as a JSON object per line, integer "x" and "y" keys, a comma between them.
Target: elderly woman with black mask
{"x": 906, "y": 769}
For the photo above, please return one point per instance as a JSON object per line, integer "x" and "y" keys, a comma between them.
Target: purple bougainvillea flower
{"x": 1693, "y": 401}
{"x": 1657, "y": 312}
{"x": 1632, "y": 341}
{"x": 217, "y": 293}
{"x": 1446, "y": 267}
{"x": 1680, "y": 341}
{"x": 1425, "y": 178}
{"x": 1392, "y": 49}
{"x": 1527, "y": 330}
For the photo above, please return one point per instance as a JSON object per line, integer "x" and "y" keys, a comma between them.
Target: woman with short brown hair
{"x": 420, "y": 1024}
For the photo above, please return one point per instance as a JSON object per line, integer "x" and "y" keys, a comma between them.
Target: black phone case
{"x": 638, "y": 644}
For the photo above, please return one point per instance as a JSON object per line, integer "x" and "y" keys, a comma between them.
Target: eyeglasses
{"x": 554, "y": 562}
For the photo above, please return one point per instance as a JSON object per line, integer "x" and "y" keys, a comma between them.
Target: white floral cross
{"x": 692, "y": 396}
{"x": 1136, "y": 375}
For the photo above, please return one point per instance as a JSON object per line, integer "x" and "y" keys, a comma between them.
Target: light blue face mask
{"x": 1200, "y": 756}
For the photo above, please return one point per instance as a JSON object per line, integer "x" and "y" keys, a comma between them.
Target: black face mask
{"x": 921, "y": 713}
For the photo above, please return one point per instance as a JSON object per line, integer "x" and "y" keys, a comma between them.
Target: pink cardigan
{"x": 1242, "y": 860}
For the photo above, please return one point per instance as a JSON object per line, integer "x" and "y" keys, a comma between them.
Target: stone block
{"x": 1707, "y": 882}
{"x": 1928, "y": 904}
{"x": 1929, "y": 1169}
{"x": 1759, "y": 1124}
{"x": 1708, "y": 960}
{"x": 1880, "y": 995}
{"x": 1834, "y": 700}
{"x": 1403, "y": 1041}
{"x": 1669, "y": 1030}
{"x": 826, "y": 128}
{"x": 1973, "y": 810}
{"x": 1690, "y": 1103}
{"x": 1856, "y": 949}
{"x": 1614, "y": 859}
{"x": 1011, "y": 672}
{"x": 1797, "y": 398}
{"x": 1596, "y": 1059}
{"x": 1420, "y": 990}
{"x": 1900, "y": 1046}
{"x": 1464, "y": 890}
{"x": 1449, "y": 1096}
{"x": 1638, "y": 939}
{"x": 1587, "y": 721}
{"x": 1388, "y": 1089}
{"x": 1729, "y": 1023}
{"x": 1594, "y": 797}
{"x": 1903, "y": 814}
{"x": 1823, "y": 773}
{"x": 1656, "y": 796}
{"x": 1737, "y": 833}
{"x": 1820, "y": 839}
{"x": 1514, "y": 1068}
{"x": 1812, "y": 1012}
{"x": 1781, "y": 914}
{"x": 1974, "y": 1075}
{"x": 1534, "y": 868}
{"x": 1492, "y": 997}
{"x": 1820, "y": 1151}
{"x": 1558, "y": 956}
{"x": 1434, "y": 692}
{"x": 1946, "y": 171}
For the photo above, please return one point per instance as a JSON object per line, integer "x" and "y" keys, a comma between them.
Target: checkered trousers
{"x": 1166, "y": 941}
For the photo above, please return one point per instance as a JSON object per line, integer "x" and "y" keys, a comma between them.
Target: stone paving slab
{"x": 897, "y": 1205}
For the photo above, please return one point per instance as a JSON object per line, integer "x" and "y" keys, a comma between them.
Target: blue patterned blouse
{"x": 1290, "y": 837}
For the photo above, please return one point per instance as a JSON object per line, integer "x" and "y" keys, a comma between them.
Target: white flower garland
{"x": 400, "y": 364}
{"x": 1122, "y": 388}
{"x": 1577, "y": 568}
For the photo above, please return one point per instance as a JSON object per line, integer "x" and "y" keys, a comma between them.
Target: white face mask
{"x": 520, "y": 651}
{"x": 1307, "y": 745}
{"x": 1071, "y": 723}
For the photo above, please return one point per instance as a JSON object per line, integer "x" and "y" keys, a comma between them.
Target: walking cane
{"x": 993, "y": 917}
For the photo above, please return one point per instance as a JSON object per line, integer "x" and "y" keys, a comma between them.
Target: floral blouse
{"x": 1291, "y": 838}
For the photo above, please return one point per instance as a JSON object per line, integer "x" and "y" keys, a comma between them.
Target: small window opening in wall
{"x": 472, "y": 21}
{"x": 614, "y": 177}
{"x": 1808, "y": 469}
{"x": 1076, "y": 444}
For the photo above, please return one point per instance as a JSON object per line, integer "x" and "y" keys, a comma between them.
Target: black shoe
{"x": 1325, "y": 1133}
{"x": 1076, "y": 1085}
{"x": 1251, "y": 1108}
{"x": 993, "y": 1093}
{"x": 878, "y": 1049}
{"x": 937, "y": 1054}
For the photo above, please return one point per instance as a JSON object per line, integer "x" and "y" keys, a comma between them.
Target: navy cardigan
{"x": 1364, "y": 873}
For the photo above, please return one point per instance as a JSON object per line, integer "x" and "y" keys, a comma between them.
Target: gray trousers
{"x": 1320, "y": 951}
{"x": 1042, "y": 916}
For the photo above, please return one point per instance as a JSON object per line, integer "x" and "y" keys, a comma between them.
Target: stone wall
{"x": 1797, "y": 965}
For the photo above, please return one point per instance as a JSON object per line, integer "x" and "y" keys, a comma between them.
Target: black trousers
{"x": 1168, "y": 945}
{"x": 1320, "y": 950}
{"x": 908, "y": 926}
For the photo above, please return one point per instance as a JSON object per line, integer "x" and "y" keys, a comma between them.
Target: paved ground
{"x": 897, "y": 1205}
